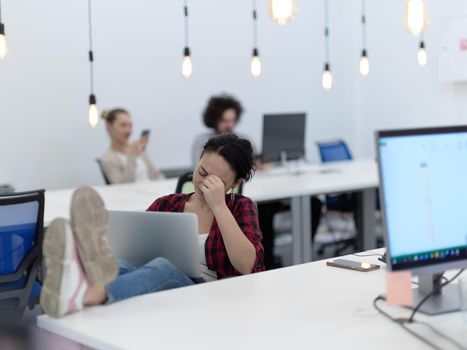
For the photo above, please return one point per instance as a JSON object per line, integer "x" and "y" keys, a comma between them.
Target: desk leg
{"x": 368, "y": 220}
{"x": 307, "y": 251}
{"x": 301, "y": 230}
{"x": 297, "y": 235}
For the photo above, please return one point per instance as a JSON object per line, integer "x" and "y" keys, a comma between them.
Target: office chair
{"x": 101, "y": 168}
{"x": 21, "y": 236}
{"x": 185, "y": 184}
{"x": 342, "y": 203}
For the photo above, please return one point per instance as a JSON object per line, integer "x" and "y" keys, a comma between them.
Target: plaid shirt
{"x": 246, "y": 215}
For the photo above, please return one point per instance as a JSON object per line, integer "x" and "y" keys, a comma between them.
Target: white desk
{"x": 358, "y": 175}
{"x": 308, "y": 306}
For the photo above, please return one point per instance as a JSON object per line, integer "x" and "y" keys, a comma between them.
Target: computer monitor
{"x": 283, "y": 137}
{"x": 423, "y": 187}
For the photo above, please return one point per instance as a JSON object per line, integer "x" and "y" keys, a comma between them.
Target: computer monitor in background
{"x": 283, "y": 136}
{"x": 423, "y": 174}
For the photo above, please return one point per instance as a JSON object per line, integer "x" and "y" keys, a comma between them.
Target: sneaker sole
{"x": 55, "y": 256}
{"x": 89, "y": 221}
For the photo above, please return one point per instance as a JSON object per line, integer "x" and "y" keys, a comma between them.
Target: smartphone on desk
{"x": 353, "y": 265}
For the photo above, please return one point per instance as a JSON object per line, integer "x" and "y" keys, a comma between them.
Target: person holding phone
{"x": 126, "y": 161}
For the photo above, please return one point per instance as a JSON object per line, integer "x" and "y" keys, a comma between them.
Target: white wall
{"x": 399, "y": 93}
{"x": 44, "y": 81}
{"x": 46, "y": 141}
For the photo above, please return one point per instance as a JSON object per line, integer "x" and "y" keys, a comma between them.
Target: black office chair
{"x": 101, "y": 168}
{"x": 185, "y": 184}
{"x": 21, "y": 236}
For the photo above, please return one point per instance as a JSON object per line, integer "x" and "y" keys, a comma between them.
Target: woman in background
{"x": 124, "y": 161}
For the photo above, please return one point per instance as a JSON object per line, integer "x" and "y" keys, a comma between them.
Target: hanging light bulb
{"x": 3, "y": 49}
{"x": 326, "y": 81}
{"x": 364, "y": 64}
{"x": 422, "y": 56}
{"x": 93, "y": 115}
{"x": 282, "y": 11}
{"x": 255, "y": 64}
{"x": 415, "y": 17}
{"x": 187, "y": 66}
{"x": 255, "y": 67}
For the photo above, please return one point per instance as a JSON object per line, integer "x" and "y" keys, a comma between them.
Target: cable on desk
{"x": 381, "y": 257}
{"x": 429, "y": 295}
{"x": 365, "y": 255}
{"x": 442, "y": 335}
{"x": 402, "y": 323}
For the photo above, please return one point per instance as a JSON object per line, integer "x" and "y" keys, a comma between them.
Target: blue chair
{"x": 336, "y": 151}
{"x": 21, "y": 235}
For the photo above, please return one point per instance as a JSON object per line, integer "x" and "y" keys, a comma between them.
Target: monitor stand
{"x": 445, "y": 300}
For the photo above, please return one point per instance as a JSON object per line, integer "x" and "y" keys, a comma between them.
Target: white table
{"x": 309, "y": 306}
{"x": 357, "y": 175}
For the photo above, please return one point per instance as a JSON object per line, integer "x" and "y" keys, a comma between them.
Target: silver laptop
{"x": 139, "y": 237}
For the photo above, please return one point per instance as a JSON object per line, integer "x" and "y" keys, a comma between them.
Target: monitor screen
{"x": 283, "y": 133}
{"x": 424, "y": 189}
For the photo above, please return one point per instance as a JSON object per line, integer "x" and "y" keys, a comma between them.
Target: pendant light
{"x": 364, "y": 63}
{"x": 93, "y": 114}
{"x": 415, "y": 16}
{"x": 255, "y": 60}
{"x": 282, "y": 11}
{"x": 326, "y": 80}
{"x": 422, "y": 56}
{"x": 187, "y": 66}
{"x": 2, "y": 36}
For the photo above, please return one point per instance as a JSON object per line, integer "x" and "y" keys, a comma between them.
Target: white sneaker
{"x": 89, "y": 220}
{"x": 65, "y": 283}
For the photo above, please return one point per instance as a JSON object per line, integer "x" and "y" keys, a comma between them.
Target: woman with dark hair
{"x": 81, "y": 269}
{"x": 221, "y": 115}
{"x": 124, "y": 161}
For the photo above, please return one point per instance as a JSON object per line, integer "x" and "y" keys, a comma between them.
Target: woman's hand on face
{"x": 137, "y": 147}
{"x": 214, "y": 192}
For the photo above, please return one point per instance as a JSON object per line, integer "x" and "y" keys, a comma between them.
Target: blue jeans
{"x": 156, "y": 276}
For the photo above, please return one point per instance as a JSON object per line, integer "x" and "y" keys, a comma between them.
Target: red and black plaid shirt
{"x": 246, "y": 215}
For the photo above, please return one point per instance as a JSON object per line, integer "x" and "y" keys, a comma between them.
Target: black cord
{"x": 442, "y": 335}
{"x": 364, "y": 24}
{"x": 429, "y": 295}
{"x": 326, "y": 30}
{"x": 401, "y": 323}
{"x": 255, "y": 25}
{"x": 185, "y": 13}
{"x": 91, "y": 53}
